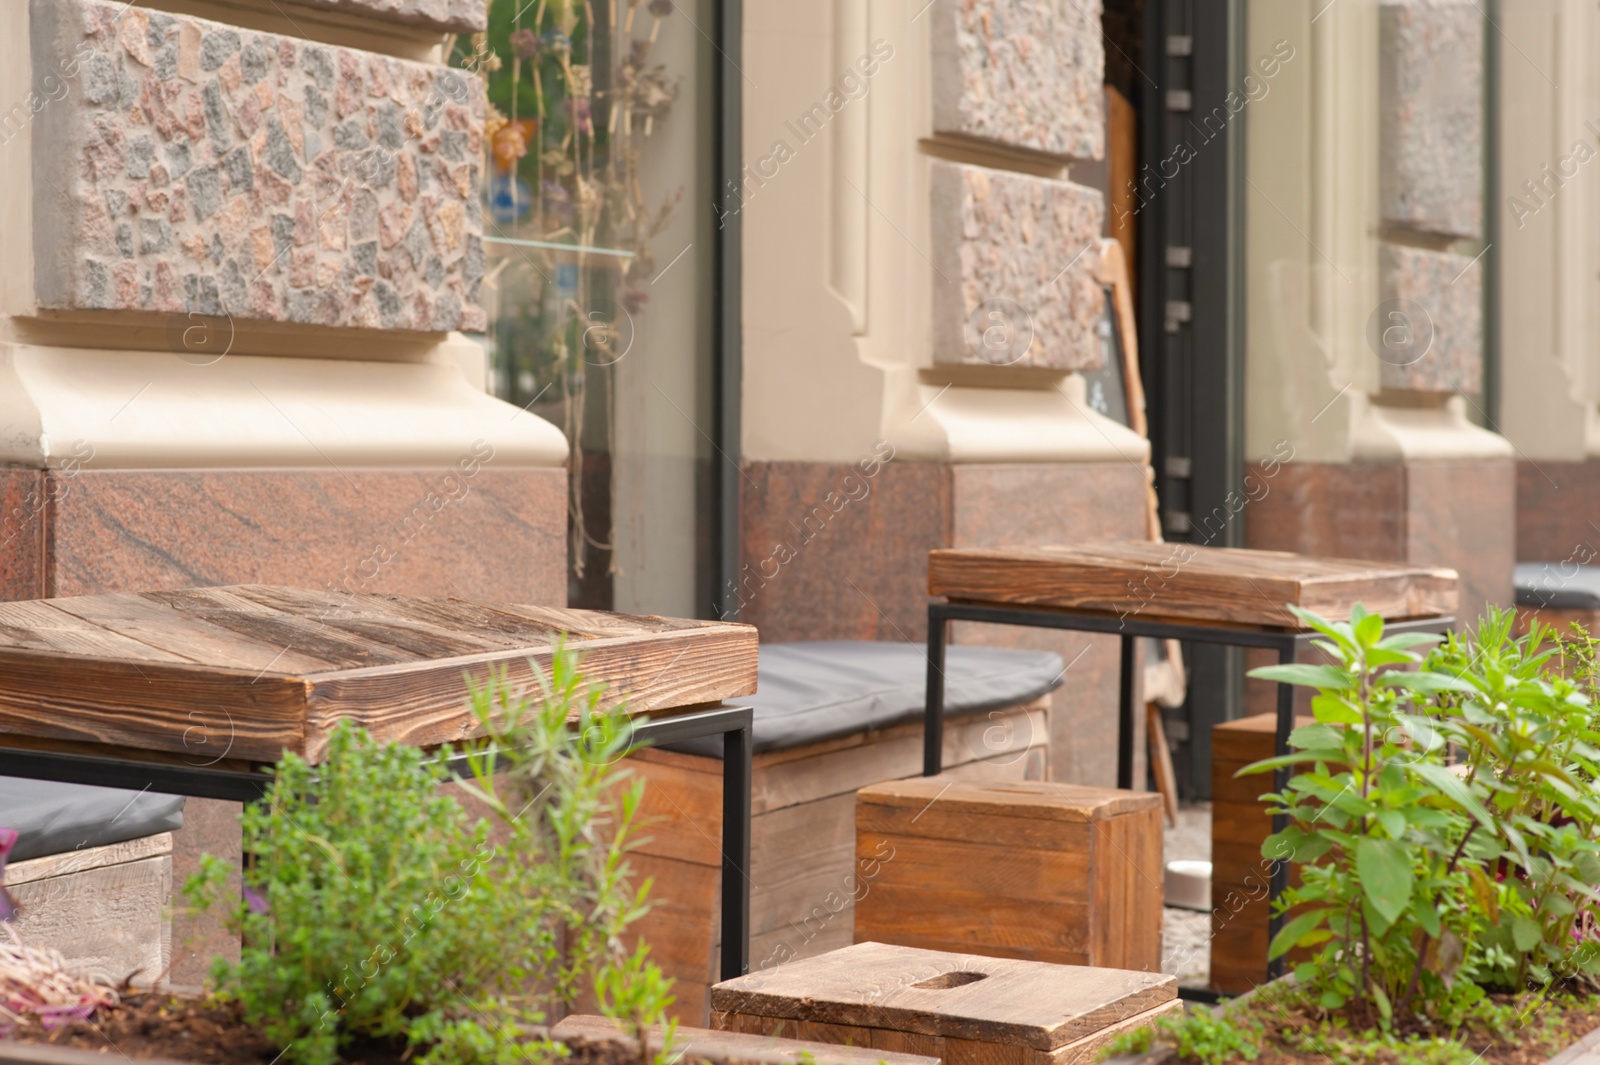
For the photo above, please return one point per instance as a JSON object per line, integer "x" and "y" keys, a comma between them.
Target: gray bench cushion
{"x": 53, "y": 818}
{"x": 1558, "y": 585}
{"x": 809, "y": 692}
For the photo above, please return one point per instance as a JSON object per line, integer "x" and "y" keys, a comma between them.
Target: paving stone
{"x": 1024, "y": 73}
{"x": 1447, "y": 339}
{"x": 1017, "y": 260}
{"x": 1431, "y": 104}
{"x": 161, "y": 193}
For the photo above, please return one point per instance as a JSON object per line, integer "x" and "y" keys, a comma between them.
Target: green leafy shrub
{"x": 376, "y": 908}
{"x": 1443, "y": 819}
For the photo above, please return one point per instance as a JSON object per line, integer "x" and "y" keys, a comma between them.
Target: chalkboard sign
{"x": 1107, "y": 387}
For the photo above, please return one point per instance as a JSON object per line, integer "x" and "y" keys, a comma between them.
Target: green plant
{"x": 377, "y": 909}
{"x": 1441, "y": 820}
{"x": 1199, "y": 1034}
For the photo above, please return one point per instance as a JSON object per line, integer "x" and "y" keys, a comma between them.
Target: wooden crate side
{"x": 680, "y": 816}
{"x": 802, "y": 857}
{"x": 682, "y": 925}
{"x": 974, "y": 1052}
{"x": 1126, "y": 873}
{"x": 804, "y": 938}
{"x": 1086, "y": 1050}
{"x": 109, "y": 920}
{"x": 947, "y": 866}
{"x": 975, "y": 922}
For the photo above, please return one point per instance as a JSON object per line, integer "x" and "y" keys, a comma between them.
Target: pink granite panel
{"x": 833, "y": 554}
{"x": 1558, "y": 511}
{"x": 23, "y": 512}
{"x": 494, "y": 535}
{"x": 1037, "y": 504}
{"x": 196, "y": 168}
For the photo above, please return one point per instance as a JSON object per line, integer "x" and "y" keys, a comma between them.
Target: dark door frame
{"x": 1191, "y": 297}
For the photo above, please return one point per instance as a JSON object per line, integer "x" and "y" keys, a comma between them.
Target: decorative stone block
{"x": 1017, "y": 261}
{"x": 1436, "y": 299}
{"x": 1024, "y": 73}
{"x": 457, "y": 16}
{"x": 199, "y": 168}
{"x": 1431, "y": 171}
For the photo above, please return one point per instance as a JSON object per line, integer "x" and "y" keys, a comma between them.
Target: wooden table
{"x": 1216, "y": 595}
{"x": 195, "y": 692}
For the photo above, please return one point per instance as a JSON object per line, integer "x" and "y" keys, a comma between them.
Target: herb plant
{"x": 377, "y": 909}
{"x": 1443, "y": 822}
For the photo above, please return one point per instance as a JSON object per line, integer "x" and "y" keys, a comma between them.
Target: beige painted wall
{"x": 838, "y": 280}
{"x": 1312, "y": 223}
{"x": 1550, "y": 238}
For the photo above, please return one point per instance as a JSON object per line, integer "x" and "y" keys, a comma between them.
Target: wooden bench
{"x": 805, "y": 878}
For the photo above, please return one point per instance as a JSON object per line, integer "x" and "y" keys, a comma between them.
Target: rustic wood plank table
{"x": 196, "y": 692}
{"x": 1218, "y": 595}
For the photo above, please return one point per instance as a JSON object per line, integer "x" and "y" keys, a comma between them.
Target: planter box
{"x": 1585, "y": 1051}
{"x": 692, "y": 1044}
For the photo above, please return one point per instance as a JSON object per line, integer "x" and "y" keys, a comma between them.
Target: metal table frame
{"x": 731, "y": 722}
{"x": 1289, "y": 643}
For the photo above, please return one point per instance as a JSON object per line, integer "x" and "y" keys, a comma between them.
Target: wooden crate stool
{"x": 1048, "y": 872}
{"x": 710, "y": 1045}
{"x": 1240, "y": 876}
{"x": 960, "y": 1008}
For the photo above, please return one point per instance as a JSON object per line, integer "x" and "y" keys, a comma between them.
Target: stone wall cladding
{"x": 1024, "y": 254}
{"x": 1432, "y": 115}
{"x": 1024, "y": 73}
{"x": 1450, "y": 289}
{"x": 199, "y": 168}
{"x": 457, "y": 16}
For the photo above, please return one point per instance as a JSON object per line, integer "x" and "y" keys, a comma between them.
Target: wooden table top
{"x": 1191, "y": 583}
{"x": 245, "y": 672}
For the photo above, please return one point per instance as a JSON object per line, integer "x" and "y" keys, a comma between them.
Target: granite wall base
{"x": 1558, "y": 512}
{"x": 831, "y": 554}
{"x": 1450, "y": 513}
{"x": 499, "y": 535}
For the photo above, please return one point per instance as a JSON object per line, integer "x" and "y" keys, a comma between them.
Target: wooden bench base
{"x": 103, "y": 908}
{"x": 804, "y": 877}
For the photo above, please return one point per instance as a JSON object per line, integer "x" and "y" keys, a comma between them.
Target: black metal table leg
{"x": 1126, "y": 692}
{"x": 933, "y": 718}
{"x": 736, "y": 770}
{"x": 1280, "y": 779}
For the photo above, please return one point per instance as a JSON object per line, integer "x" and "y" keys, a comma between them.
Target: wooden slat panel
{"x": 201, "y": 713}
{"x": 40, "y": 626}
{"x": 247, "y": 671}
{"x": 974, "y": 922}
{"x": 1086, "y": 1050}
{"x": 723, "y": 1046}
{"x": 834, "y": 768}
{"x": 949, "y": 867}
{"x": 182, "y": 623}
{"x": 426, "y": 703}
{"x": 1226, "y": 585}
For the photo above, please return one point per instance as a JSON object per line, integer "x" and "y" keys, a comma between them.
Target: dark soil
{"x": 205, "y": 1033}
{"x": 1548, "y": 1033}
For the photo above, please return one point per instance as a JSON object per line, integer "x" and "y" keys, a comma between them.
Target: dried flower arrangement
{"x": 574, "y": 94}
